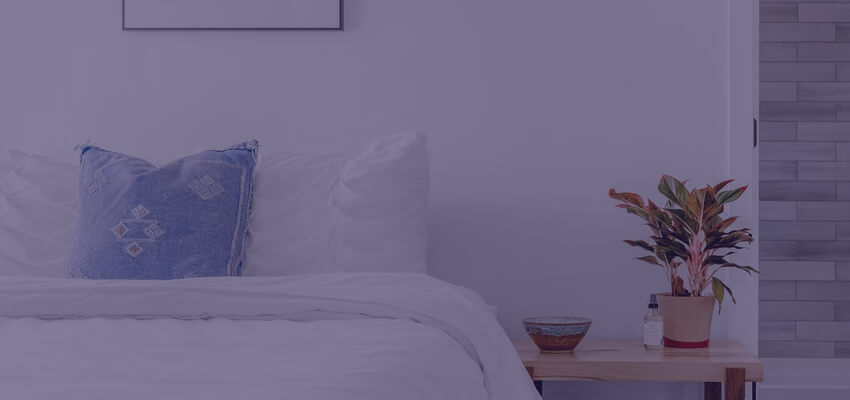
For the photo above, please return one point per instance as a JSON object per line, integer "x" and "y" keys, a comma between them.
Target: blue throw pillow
{"x": 184, "y": 219}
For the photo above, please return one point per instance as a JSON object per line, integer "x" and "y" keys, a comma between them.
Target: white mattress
{"x": 335, "y": 336}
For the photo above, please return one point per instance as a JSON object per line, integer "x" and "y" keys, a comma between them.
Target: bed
{"x": 312, "y": 285}
{"x": 321, "y": 336}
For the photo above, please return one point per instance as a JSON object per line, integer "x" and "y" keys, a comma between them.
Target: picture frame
{"x": 231, "y": 15}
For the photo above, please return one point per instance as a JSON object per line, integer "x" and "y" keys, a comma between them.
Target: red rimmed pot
{"x": 687, "y": 320}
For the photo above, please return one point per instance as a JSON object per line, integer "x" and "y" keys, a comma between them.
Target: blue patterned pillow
{"x": 184, "y": 219}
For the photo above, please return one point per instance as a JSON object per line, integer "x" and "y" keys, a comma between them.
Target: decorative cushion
{"x": 38, "y": 209}
{"x": 185, "y": 219}
{"x": 364, "y": 211}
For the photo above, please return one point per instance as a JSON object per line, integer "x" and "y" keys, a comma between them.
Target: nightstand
{"x": 726, "y": 366}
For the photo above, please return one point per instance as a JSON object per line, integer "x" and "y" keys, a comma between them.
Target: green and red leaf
{"x": 650, "y": 259}
{"x": 678, "y": 288}
{"x": 718, "y": 287}
{"x": 726, "y": 223}
{"x": 730, "y": 195}
{"x": 746, "y": 268}
{"x": 718, "y": 187}
{"x": 714, "y": 260}
{"x": 719, "y": 292}
{"x": 639, "y": 243}
{"x": 640, "y": 212}
{"x": 669, "y": 187}
{"x": 631, "y": 198}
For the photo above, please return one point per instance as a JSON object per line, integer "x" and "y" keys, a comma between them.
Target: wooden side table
{"x": 725, "y": 363}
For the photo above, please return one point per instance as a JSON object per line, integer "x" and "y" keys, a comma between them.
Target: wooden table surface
{"x": 627, "y": 360}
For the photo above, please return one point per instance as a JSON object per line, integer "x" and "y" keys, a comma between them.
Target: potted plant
{"x": 689, "y": 233}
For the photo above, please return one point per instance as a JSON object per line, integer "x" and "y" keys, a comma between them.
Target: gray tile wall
{"x": 805, "y": 178}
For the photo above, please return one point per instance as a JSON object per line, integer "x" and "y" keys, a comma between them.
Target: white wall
{"x": 534, "y": 109}
{"x": 743, "y": 162}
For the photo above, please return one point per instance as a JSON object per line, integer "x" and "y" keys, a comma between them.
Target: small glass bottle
{"x": 653, "y": 326}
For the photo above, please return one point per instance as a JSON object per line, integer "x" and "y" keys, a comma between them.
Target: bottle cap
{"x": 653, "y": 301}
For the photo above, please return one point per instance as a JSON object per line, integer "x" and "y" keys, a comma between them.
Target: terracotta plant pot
{"x": 687, "y": 320}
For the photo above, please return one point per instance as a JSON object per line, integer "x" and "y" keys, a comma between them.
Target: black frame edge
{"x": 341, "y": 26}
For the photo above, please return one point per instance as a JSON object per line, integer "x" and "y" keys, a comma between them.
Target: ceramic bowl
{"x": 557, "y": 334}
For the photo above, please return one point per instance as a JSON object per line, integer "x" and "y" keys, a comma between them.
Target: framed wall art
{"x": 232, "y": 14}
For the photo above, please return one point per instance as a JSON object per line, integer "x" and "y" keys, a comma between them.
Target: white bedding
{"x": 330, "y": 336}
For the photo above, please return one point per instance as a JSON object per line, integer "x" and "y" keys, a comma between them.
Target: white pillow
{"x": 38, "y": 209}
{"x": 360, "y": 212}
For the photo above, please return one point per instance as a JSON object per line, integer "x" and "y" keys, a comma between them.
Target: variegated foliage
{"x": 689, "y": 231}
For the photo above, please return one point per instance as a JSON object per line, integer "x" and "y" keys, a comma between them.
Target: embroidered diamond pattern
{"x": 206, "y": 194}
{"x": 216, "y": 189}
{"x": 206, "y": 181}
{"x": 133, "y": 249}
{"x": 140, "y": 211}
{"x": 196, "y": 186}
{"x": 137, "y": 230}
{"x": 99, "y": 180}
{"x": 154, "y": 231}
{"x": 206, "y": 187}
{"x": 120, "y": 230}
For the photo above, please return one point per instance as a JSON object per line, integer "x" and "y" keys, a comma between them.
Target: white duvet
{"x": 330, "y": 336}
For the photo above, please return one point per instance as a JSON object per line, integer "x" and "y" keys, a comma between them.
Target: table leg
{"x": 712, "y": 391}
{"x": 735, "y": 385}
{"x": 538, "y": 384}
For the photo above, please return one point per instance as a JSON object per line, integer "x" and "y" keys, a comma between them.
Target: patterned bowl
{"x": 557, "y": 334}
